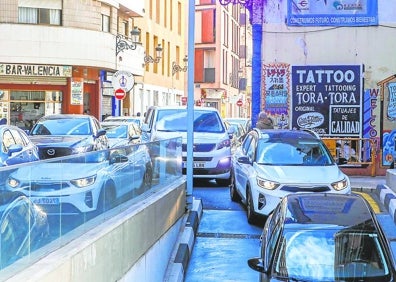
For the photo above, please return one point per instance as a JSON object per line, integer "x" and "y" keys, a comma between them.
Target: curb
{"x": 388, "y": 199}
{"x": 180, "y": 260}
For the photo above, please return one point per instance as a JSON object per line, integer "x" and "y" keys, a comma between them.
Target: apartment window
{"x": 40, "y": 12}
{"x": 39, "y": 16}
{"x": 105, "y": 23}
{"x": 105, "y": 12}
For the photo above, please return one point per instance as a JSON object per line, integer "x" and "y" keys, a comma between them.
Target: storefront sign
{"x": 35, "y": 70}
{"x": 328, "y": 99}
{"x": 124, "y": 80}
{"x": 332, "y": 13}
{"x": 277, "y": 88}
{"x": 77, "y": 87}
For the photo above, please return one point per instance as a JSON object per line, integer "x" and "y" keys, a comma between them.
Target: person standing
{"x": 264, "y": 122}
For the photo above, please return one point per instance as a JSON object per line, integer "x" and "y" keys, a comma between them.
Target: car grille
{"x": 48, "y": 186}
{"x": 295, "y": 189}
{"x": 203, "y": 171}
{"x": 200, "y": 147}
{"x": 47, "y": 153}
{"x": 199, "y": 159}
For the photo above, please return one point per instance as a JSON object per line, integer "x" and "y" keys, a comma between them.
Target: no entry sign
{"x": 119, "y": 94}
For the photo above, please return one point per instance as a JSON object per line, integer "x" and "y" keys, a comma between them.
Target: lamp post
{"x": 176, "y": 68}
{"x": 123, "y": 44}
{"x": 148, "y": 59}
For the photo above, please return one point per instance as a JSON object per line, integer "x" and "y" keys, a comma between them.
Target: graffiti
{"x": 391, "y": 109}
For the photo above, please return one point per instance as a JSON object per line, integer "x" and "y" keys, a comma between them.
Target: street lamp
{"x": 176, "y": 68}
{"x": 123, "y": 44}
{"x": 148, "y": 59}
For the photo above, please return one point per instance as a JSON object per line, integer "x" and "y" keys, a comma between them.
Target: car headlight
{"x": 224, "y": 143}
{"x": 340, "y": 185}
{"x": 267, "y": 184}
{"x": 13, "y": 183}
{"x": 84, "y": 182}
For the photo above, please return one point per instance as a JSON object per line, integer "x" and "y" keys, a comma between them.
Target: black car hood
{"x": 63, "y": 141}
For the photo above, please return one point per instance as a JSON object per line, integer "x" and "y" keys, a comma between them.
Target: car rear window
{"x": 176, "y": 120}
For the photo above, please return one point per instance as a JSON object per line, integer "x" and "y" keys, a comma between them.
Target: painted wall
{"x": 370, "y": 47}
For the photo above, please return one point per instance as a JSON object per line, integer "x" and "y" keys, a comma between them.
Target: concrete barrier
{"x": 133, "y": 245}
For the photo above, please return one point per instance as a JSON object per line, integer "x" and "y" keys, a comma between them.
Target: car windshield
{"x": 280, "y": 151}
{"x": 176, "y": 120}
{"x": 329, "y": 255}
{"x": 63, "y": 126}
{"x": 116, "y": 131}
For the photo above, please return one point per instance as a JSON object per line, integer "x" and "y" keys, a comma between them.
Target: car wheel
{"x": 147, "y": 178}
{"x": 251, "y": 215}
{"x": 223, "y": 182}
{"x": 235, "y": 197}
{"x": 106, "y": 198}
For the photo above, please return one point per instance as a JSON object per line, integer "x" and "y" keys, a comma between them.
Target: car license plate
{"x": 46, "y": 201}
{"x": 195, "y": 164}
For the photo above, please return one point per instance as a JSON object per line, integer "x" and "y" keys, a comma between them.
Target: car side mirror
{"x": 256, "y": 264}
{"x": 14, "y": 148}
{"x": 244, "y": 160}
{"x": 117, "y": 158}
{"x": 101, "y": 132}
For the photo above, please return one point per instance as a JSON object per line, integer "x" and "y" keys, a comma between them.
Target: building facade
{"x": 59, "y": 57}
{"x": 164, "y": 38}
{"x": 325, "y": 66}
{"x": 222, "y": 58}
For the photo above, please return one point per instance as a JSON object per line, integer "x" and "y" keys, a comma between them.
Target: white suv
{"x": 212, "y": 143}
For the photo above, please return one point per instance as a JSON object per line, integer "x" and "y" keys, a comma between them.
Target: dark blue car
{"x": 67, "y": 134}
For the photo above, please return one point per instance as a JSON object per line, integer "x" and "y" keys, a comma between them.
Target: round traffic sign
{"x": 239, "y": 103}
{"x": 119, "y": 93}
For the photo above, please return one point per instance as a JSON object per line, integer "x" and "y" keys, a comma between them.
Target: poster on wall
{"x": 328, "y": 99}
{"x": 276, "y": 85}
{"x": 77, "y": 88}
{"x": 332, "y": 13}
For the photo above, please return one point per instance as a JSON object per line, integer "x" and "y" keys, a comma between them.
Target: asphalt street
{"x": 225, "y": 241}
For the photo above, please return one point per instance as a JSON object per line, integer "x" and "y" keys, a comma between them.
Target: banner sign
{"x": 328, "y": 99}
{"x": 276, "y": 85}
{"x": 332, "y": 12}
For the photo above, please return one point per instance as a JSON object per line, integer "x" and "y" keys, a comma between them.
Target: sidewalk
{"x": 367, "y": 182}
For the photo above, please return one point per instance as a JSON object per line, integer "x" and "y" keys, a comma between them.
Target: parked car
{"x": 212, "y": 141}
{"x": 24, "y": 227}
{"x": 273, "y": 163}
{"x": 245, "y": 122}
{"x": 136, "y": 120}
{"x": 237, "y": 136}
{"x": 323, "y": 237}
{"x": 67, "y": 134}
{"x": 91, "y": 182}
{"x": 16, "y": 146}
{"x": 121, "y": 133}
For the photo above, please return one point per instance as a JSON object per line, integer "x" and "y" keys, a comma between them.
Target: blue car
{"x": 68, "y": 134}
{"x": 16, "y": 146}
